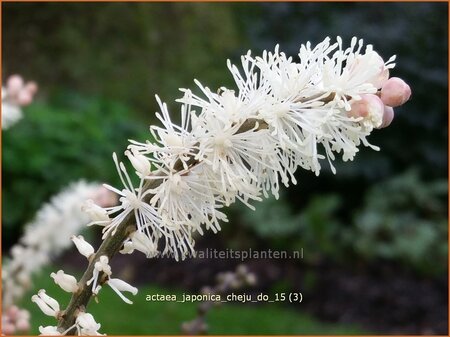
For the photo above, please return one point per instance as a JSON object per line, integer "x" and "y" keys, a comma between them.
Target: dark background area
{"x": 374, "y": 234}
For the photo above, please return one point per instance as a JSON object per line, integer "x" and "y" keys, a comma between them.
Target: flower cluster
{"x": 85, "y": 323}
{"x": 242, "y": 144}
{"x": 15, "y": 95}
{"x": 15, "y": 320}
{"x": 231, "y": 145}
{"x": 46, "y": 237}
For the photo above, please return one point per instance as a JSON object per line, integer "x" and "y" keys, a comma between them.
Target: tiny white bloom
{"x": 132, "y": 201}
{"x": 65, "y": 281}
{"x": 86, "y": 325}
{"x": 119, "y": 286}
{"x": 49, "y": 331}
{"x": 83, "y": 246}
{"x": 102, "y": 265}
{"x": 140, "y": 162}
{"x": 49, "y": 300}
{"x": 97, "y": 214}
{"x": 128, "y": 247}
{"x": 143, "y": 243}
{"x": 43, "y": 306}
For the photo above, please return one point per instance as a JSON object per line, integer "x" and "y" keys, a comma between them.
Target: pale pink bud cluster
{"x": 377, "y": 109}
{"x": 15, "y": 321}
{"x": 19, "y": 92}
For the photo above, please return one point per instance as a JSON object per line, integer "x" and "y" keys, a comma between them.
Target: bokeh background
{"x": 374, "y": 235}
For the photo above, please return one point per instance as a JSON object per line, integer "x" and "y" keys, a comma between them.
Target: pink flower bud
{"x": 8, "y": 328}
{"x": 359, "y": 109}
{"x": 104, "y": 197}
{"x": 12, "y": 312}
{"x": 370, "y": 108}
{"x": 382, "y": 75}
{"x": 24, "y": 97}
{"x": 23, "y": 325}
{"x": 31, "y": 87}
{"x": 395, "y": 92}
{"x": 14, "y": 84}
{"x": 388, "y": 116}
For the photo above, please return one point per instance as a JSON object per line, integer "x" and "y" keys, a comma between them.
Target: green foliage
{"x": 121, "y": 50}
{"x": 316, "y": 224}
{"x": 56, "y": 144}
{"x": 404, "y": 220}
{"x": 165, "y": 318}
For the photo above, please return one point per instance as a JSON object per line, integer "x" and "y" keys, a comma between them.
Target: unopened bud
{"x": 49, "y": 331}
{"x": 8, "y": 329}
{"x": 388, "y": 116}
{"x": 104, "y": 197}
{"x": 31, "y": 87}
{"x": 83, "y": 246}
{"x": 139, "y": 162}
{"x": 24, "y": 97}
{"x": 395, "y": 92}
{"x": 23, "y": 325}
{"x": 65, "y": 281}
{"x": 370, "y": 107}
{"x": 144, "y": 244}
{"x": 14, "y": 84}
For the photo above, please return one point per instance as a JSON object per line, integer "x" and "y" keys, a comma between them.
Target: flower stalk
{"x": 238, "y": 145}
{"x": 112, "y": 244}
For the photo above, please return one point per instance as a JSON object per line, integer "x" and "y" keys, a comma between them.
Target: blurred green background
{"x": 374, "y": 235}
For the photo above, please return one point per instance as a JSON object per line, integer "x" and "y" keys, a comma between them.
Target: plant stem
{"x": 113, "y": 243}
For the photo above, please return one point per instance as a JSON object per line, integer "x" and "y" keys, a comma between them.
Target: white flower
{"x": 241, "y": 144}
{"x": 101, "y": 266}
{"x": 97, "y": 214}
{"x": 132, "y": 201}
{"x": 172, "y": 144}
{"x": 65, "y": 281}
{"x": 119, "y": 286}
{"x": 49, "y": 331}
{"x": 11, "y": 114}
{"x": 350, "y": 73}
{"x": 140, "y": 162}
{"x": 47, "y": 304}
{"x": 128, "y": 247}
{"x": 83, "y": 247}
{"x": 86, "y": 325}
{"x": 46, "y": 236}
{"x": 143, "y": 243}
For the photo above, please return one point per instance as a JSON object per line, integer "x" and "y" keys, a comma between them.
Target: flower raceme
{"x": 233, "y": 145}
{"x": 241, "y": 144}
